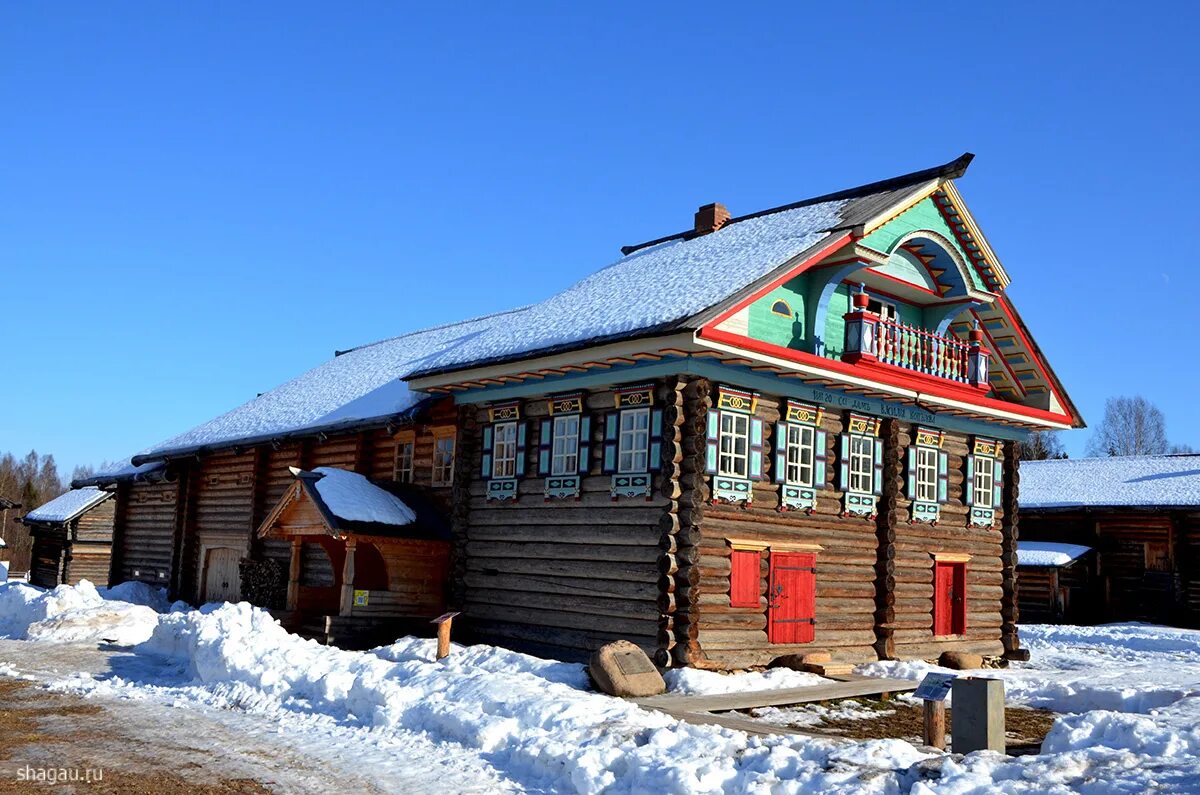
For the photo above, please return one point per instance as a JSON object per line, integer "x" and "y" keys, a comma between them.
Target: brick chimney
{"x": 710, "y": 218}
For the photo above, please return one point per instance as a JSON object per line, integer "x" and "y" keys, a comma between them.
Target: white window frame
{"x": 633, "y": 441}
{"x": 404, "y": 466}
{"x": 985, "y": 481}
{"x": 800, "y": 454}
{"x": 862, "y": 464}
{"x": 504, "y": 450}
{"x": 927, "y": 474}
{"x": 885, "y": 309}
{"x": 443, "y": 459}
{"x": 564, "y": 451}
{"x": 733, "y": 449}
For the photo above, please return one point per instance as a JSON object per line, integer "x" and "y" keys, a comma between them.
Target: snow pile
{"x": 350, "y": 496}
{"x": 65, "y": 614}
{"x": 693, "y": 681}
{"x": 1048, "y": 553}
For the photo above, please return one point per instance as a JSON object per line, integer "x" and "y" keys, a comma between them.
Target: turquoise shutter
{"x": 878, "y": 478}
{"x": 756, "y": 448}
{"x": 522, "y": 433}
{"x": 585, "y": 444}
{"x": 545, "y": 439}
{"x": 611, "y": 426}
{"x": 714, "y": 437}
{"x": 912, "y": 472}
{"x": 485, "y": 471}
{"x": 844, "y": 463}
{"x": 969, "y": 483}
{"x": 820, "y": 456}
{"x": 943, "y": 473}
{"x": 781, "y": 429}
{"x": 654, "y": 460}
{"x": 998, "y": 480}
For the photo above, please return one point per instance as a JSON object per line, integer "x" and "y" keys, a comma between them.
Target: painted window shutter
{"x": 756, "y": 448}
{"x": 654, "y": 461}
{"x": 806, "y": 595}
{"x": 611, "y": 424}
{"x": 878, "y": 479}
{"x": 522, "y": 435}
{"x": 912, "y": 473}
{"x": 745, "y": 582}
{"x": 545, "y": 440}
{"x": 820, "y": 456}
{"x": 943, "y": 475}
{"x": 714, "y": 435}
{"x": 969, "y": 483}
{"x": 585, "y": 444}
{"x": 998, "y": 481}
{"x": 780, "y": 442}
{"x": 844, "y": 463}
{"x": 485, "y": 471}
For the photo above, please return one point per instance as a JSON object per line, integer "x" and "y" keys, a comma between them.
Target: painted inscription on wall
{"x": 877, "y": 407}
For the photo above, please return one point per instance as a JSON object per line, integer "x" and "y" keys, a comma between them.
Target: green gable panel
{"x": 923, "y": 215}
{"x": 767, "y": 325}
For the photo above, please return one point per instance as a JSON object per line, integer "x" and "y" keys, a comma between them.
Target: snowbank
{"x": 80, "y": 613}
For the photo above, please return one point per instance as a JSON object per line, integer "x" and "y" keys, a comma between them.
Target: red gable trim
{"x": 824, "y": 251}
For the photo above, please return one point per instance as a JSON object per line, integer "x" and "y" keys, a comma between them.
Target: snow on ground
{"x": 514, "y": 722}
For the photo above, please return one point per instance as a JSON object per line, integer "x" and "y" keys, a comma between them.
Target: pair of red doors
{"x": 949, "y": 598}
{"x": 791, "y": 598}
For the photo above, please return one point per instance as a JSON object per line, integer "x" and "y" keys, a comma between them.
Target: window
{"x": 781, "y": 307}
{"x": 443, "y": 458}
{"x": 985, "y": 478}
{"x": 402, "y": 471}
{"x": 862, "y": 464}
{"x": 800, "y": 453}
{"x": 927, "y": 474}
{"x": 504, "y": 450}
{"x": 885, "y": 311}
{"x": 633, "y": 441}
{"x": 565, "y": 457}
{"x": 734, "y": 445}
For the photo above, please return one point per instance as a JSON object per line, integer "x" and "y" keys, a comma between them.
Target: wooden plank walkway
{"x": 724, "y": 702}
{"x": 735, "y": 721}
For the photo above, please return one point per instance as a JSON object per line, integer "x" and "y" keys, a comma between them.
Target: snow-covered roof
{"x": 1159, "y": 481}
{"x": 1048, "y": 553}
{"x": 353, "y": 498}
{"x": 67, "y": 506}
{"x": 653, "y": 289}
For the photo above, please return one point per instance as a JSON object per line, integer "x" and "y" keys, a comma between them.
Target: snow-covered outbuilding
{"x": 72, "y": 538}
{"x": 1141, "y": 515}
{"x": 1053, "y": 582}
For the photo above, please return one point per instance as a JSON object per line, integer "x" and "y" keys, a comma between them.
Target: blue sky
{"x": 200, "y": 201}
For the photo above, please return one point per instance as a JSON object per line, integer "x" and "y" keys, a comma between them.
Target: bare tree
{"x": 1040, "y": 445}
{"x": 1131, "y": 426}
{"x": 30, "y": 481}
{"x": 1183, "y": 449}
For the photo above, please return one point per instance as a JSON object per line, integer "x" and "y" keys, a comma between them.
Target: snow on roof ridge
{"x": 428, "y": 329}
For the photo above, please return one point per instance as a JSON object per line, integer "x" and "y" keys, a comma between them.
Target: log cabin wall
{"x": 89, "y": 555}
{"x": 563, "y": 576}
{"x": 144, "y": 532}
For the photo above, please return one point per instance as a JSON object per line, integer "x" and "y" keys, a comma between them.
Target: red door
{"x": 949, "y": 598}
{"x": 792, "y": 596}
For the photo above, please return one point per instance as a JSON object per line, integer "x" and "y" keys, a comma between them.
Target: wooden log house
{"x": 1056, "y": 583}
{"x": 72, "y": 538}
{"x": 1141, "y": 515}
{"x": 786, "y": 432}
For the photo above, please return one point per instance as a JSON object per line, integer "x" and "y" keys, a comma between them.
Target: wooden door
{"x": 222, "y": 578}
{"x": 790, "y": 616}
{"x": 949, "y": 598}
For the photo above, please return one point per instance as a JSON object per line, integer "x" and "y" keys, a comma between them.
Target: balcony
{"x": 872, "y": 339}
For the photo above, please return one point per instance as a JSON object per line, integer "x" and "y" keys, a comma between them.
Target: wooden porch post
{"x": 347, "y": 603}
{"x": 294, "y": 574}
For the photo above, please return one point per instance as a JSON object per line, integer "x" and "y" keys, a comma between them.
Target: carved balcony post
{"x": 862, "y": 330}
{"x": 977, "y": 359}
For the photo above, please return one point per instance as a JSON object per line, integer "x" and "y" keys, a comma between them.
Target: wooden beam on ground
{"x": 724, "y": 702}
{"x": 748, "y": 725}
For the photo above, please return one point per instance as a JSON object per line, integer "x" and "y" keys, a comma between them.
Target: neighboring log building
{"x": 1141, "y": 514}
{"x": 72, "y": 538}
{"x": 788, "y": 432}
